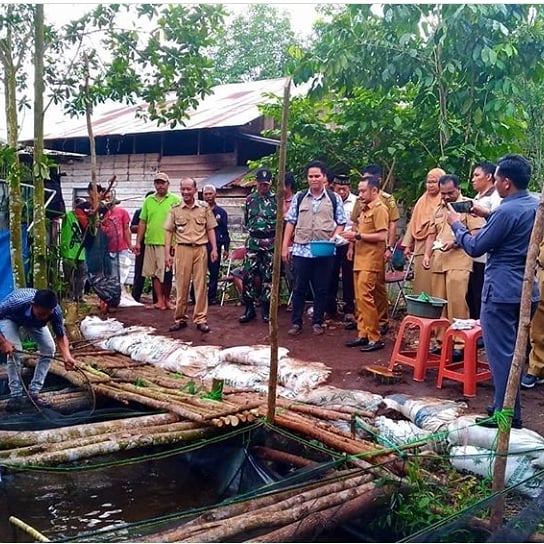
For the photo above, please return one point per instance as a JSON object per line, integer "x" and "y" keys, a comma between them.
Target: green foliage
{"x": 140, "y": 382}
{"x": 216, "y": 393}
{"x": 429, "y": 500}
{"x": 449, "y": 85}
{"x": 153, "y": 53}
{"x": 255, "y": 45}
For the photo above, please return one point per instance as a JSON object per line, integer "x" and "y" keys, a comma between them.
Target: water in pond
{"x": 67, "y": 504}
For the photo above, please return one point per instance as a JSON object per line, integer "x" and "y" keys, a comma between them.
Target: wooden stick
{"x": 28, "y": 529}
{"x": 276, "y": 261}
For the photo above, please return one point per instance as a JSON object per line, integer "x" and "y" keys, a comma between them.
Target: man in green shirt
{"x": 73, "y": 256}
{"x": 151, "y": 233}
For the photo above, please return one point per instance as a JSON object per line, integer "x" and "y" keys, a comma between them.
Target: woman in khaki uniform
{"x": 418, "y": 229}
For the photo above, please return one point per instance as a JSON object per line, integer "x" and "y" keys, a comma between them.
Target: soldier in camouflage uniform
{"x": 260, "y": 221}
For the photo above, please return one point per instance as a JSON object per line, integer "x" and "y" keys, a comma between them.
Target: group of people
{"x": 466, "y": 254}
{"x": 473, "y": 255}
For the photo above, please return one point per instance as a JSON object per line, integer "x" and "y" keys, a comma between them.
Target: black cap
{"x": 341, "y": 179}
{"x": 263, "y": 175}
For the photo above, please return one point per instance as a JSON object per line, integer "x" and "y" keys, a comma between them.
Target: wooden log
{"x": 108, "y": 447}
{"x": 289, "y": 511}
{"x": 279, "y": 456}
{"x": 79, "y": 442}
{"x": 337, "y": 441}
{"x": 11, "y": 439}
{"x": 215, "y": 518}
{"x": 329, "y": 518}
{"x": 317, "y": 411}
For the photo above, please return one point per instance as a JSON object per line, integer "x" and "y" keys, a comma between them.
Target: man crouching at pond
{"x": 31, "y": 310}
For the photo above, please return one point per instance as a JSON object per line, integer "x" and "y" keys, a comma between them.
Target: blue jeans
{"x": 46, "y": 348}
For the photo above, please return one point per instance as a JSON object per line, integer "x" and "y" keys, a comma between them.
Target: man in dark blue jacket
{"x": 222, "y": 238}
{"x": 505, "y": 238}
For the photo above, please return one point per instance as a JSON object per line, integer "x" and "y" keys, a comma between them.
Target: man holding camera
{"x": 449, "y": 264}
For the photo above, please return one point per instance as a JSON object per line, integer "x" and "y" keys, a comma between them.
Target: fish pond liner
{"x": 239, "y": 473}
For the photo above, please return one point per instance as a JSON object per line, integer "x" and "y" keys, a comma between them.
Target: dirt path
{"x": 346, "y": 363}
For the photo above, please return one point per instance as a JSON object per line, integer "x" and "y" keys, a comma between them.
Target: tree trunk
{"x": 14, "y": 172}
{"x": 40, "y": 169}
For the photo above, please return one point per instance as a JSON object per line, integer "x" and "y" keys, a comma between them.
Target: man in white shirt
{"x": 342, "y": 262}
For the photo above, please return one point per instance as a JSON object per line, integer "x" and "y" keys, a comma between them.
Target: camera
{"x": 464, "y": 206}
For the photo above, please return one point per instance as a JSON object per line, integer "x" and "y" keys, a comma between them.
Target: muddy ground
{"x": 347, "y": 364}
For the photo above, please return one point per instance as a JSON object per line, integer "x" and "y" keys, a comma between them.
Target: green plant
{"x": 429, "y": 500}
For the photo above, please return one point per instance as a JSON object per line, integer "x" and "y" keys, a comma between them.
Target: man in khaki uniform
{"x": 535, "y": 372}
{"x": 193, "y": 223}
{"x": 382, "y": 300}
{"x": 369, "y": 235}
{"x": 450, "y": 265}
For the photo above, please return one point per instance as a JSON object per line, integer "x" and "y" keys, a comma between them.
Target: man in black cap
{"x": 343, "y": 263}
{"x": 260, "y": 221}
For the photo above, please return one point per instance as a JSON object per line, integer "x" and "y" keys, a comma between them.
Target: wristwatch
{"x": 358, "y": 237}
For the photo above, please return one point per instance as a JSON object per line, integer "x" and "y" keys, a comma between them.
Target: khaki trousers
{"x": 191, "y": 263}
{"x": 366, "y": 312}
{"x": 536, "y": 332}
{"x": 381, "y": 300}
{"x": 451, "y": 285}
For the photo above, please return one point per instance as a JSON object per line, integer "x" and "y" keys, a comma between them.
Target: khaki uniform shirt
{"x": 389, "y": 202}
{"x": 369, "y": 255}
{"x": 455, "y": 258}
{"x": 190, "y": 224}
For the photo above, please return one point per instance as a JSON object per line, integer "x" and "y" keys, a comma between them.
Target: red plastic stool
{"x": 470, "y": 370}
{"x": 421, "y": 359}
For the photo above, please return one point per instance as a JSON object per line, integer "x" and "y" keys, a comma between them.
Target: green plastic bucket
{"x": 421, "y": 308}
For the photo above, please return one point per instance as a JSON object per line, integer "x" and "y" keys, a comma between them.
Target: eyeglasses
{"x": 157, "y": 181}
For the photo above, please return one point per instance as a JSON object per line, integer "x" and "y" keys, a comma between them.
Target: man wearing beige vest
{"x": 193, "y": 223}
{"x": 315, "y": 214}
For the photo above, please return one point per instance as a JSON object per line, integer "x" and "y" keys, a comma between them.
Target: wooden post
{"x": 275, "y": 292}
{"x": 512, "y": 387}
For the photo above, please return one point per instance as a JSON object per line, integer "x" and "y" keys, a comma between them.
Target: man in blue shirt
{"x": 315, "y": 214}
{"x": 31, "y": 310}
{"x": 505, "y": 238}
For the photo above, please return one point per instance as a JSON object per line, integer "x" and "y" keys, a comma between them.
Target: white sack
{"x": 429, "y": 413}
{"x": 325, "y": 395}
{"x": 480, "y": 461}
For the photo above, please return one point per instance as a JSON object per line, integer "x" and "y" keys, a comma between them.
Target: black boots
{"x": 265, "y": 311}
{"x": 249, "y": 314}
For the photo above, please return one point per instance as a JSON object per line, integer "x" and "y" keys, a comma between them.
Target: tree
{"x": 15, "y": 35}
{"x": 254, "y": 46}
{"x": 458, "y": 65}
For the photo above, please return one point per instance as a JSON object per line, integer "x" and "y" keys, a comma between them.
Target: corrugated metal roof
{"x": 224, "y": 176}
{"x": 229, "y": 105}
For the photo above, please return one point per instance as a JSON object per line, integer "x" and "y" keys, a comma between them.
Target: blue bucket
{"x": 322, "y": 248}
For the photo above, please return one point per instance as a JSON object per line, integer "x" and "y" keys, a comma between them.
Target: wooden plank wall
{"x": 135, "y": 175}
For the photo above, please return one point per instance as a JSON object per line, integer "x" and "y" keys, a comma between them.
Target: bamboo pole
{"x": 28, "y": 529}
{"x": 512, "y": 386}
{"x": 275, "y": 292}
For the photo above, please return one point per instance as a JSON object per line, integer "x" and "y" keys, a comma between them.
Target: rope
{"x": 27, "y": 392}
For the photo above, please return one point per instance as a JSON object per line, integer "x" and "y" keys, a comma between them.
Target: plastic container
{"x": 322, "y": 248}
{"x": 421, "y": 308}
